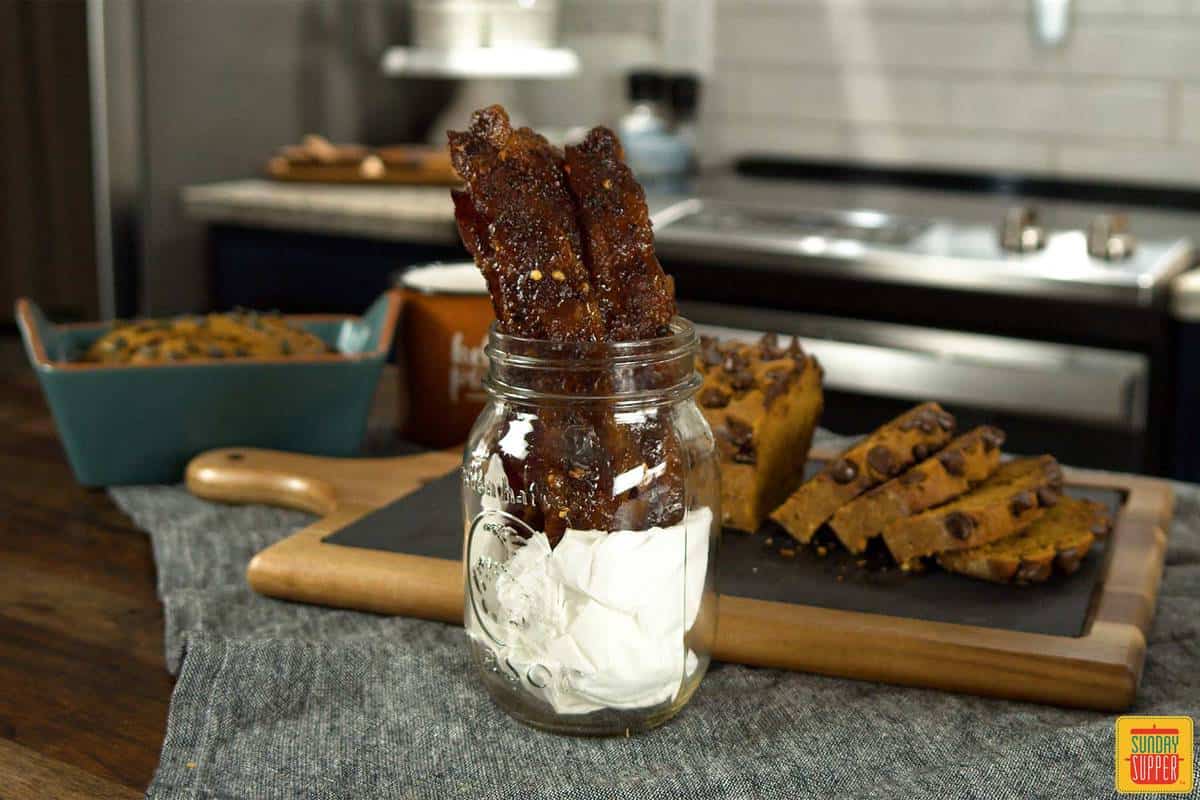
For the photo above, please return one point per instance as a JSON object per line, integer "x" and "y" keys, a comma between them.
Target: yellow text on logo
{"x": 1154, "y": 754}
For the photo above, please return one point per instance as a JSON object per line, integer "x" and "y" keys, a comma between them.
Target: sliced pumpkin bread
{"x": 1010, "y": 500}
{"x": 763, "y": 402}
{"x": 966, "y": 461}
{"x": 881, "y": 456}
{"x": 1056, "y": 541}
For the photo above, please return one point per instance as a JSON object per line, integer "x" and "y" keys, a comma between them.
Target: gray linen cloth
{"x": 282, "y": 700}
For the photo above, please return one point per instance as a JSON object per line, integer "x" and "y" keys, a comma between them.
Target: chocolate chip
{"x": 920, "y": 451}
{"x": 739, "y": 432}
{"x": 1021, "y": 502}
{"x": 882, "y": 461}
{"x": 954, "y": 462}
{"x": 912, "y": 477}
{"x": 992, "y": 438}
{"x": 944, "y": 420}
{"x": 960, "y": 525}
{"x": 773, "y": 390}
{"x": 927, "y": 424}
{"x": 745, "y": 456}
{"x": 742, "y": 380}
{"x": 769, "y": 345}
{"x": 1047, "y": 496}
{"x": 843, "y": 470}
{"x": 713, "y": 397}
{"x": 735, "y": 362}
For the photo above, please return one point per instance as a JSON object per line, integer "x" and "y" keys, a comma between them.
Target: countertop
{"x": 85, "y": 689}
{"x": 425, "y": 214}
{"x": 422, "y": 214}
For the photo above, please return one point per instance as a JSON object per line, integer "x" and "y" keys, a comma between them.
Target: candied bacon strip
{"x": 520, "y": 221}
{"x": 517, "y": 219}
{"x": 637, "y": 299}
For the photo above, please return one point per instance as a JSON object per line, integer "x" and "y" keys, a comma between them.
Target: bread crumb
{"x": 822, "y": 550}
{"x": 770, "y": 541}
{"x": 841, "y": 578}
{"x": 558, "y": 275}
{"x": 536, "y": 274}
{"x": 191, "y": 765}
{"x": 787, "y": 552}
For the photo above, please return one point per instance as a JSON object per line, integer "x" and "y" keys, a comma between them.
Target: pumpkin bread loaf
{"x": 763, "y": 402}
{"x": 1057, "y": 541}
{"x": 963, "y": 463}
{"x": 1009, "y": 501}
{"x": 881, "y": 456}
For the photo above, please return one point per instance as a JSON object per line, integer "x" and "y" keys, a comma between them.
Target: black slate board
{"x": 419, "y": 524}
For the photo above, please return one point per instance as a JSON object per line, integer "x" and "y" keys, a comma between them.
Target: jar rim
{"x": 667, "y": 364}
{"x": 682, "y": 336}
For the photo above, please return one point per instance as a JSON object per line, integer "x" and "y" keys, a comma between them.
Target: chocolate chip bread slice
{"x": 881, "y": 456}
{"x": 1016, "y": 495}
{"x": 963, "y": 463}
{"x": 762, "y": 402}
{"x": 1057, "y": 541}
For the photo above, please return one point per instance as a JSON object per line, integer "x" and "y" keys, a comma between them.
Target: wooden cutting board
{"x": 390, "y": 540}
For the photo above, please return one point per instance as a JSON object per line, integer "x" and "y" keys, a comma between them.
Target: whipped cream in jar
{"x": 591, "y": 494}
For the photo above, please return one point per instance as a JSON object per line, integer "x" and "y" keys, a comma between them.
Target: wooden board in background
{"x": 411, "y": 165}
{"x": 1099, "y": 669}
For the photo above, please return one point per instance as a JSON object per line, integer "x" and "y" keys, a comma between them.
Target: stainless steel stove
{"x": 1050, "y": 319}
{"x": 1018, "y": 254}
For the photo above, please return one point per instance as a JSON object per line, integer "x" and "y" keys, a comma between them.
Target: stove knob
{"x": 1021, "y": 232}
{"x": 1109, "y": 237}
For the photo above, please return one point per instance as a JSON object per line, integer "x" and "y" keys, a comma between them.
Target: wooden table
{"x": 83, "y": 686}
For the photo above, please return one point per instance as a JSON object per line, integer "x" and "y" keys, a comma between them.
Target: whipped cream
{"x": 598, "y": 621}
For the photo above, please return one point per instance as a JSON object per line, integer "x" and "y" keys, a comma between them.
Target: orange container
{"x": 447, "y": 313}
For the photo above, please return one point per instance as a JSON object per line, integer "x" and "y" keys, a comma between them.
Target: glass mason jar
{"x": 591, "y": 501}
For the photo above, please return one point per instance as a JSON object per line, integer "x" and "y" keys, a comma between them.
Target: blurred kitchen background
{"x": 987, "y": 202}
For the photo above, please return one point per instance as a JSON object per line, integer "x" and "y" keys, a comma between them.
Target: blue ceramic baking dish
{"x": 123, "y": 424}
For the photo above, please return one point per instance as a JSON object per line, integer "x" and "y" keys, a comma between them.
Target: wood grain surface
{"x": 84, "y": 688}
{"x": 1098, "y": 670}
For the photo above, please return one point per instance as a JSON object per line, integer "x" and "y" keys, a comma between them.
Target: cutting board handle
{"x": 248, "y": 475}
{"x": 317, "y": 484}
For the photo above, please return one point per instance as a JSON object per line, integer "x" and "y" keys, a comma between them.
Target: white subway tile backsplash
{"x": 965, "y": 150}
{"x": 958, "y": 83}
{"x": 854, "y": 36}
{"x": 849, "y": 36}
{"x": 1120, "y": 47}
{"x": 890, "y": 145}
{"x": 724, "y": 138}
{"x": 800, "y": 94}
{"x": 1177, "y": 165}
{"x": 1188, "y": 109}
{"x": 1130, "y": 110}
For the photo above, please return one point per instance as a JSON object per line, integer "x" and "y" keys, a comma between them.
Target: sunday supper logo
{"x": 1154, "y": 754}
